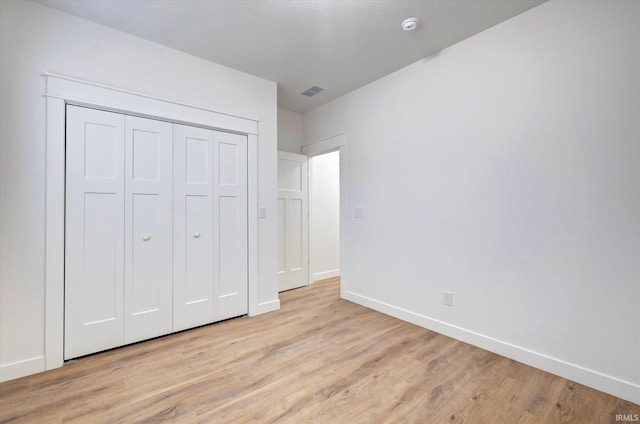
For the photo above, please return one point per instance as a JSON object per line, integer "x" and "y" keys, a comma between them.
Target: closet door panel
{"x": 198, "y": 278}
{"x": 197, "y": 156}
{"x": 229, "y": 165}
{"x": 148, "y": 228}
{"x": 145, "y": 293}
{"x": 193, "y": 227}
{"x": 94, "y": 237}
{"x": 282, "y": 235}
{"x": 230, "y": 225}
{"x": 101, "y": 262}
{"x": 231, "y": 270}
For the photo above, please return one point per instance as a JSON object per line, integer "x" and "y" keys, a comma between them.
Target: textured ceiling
{"x": 338, "y": 44}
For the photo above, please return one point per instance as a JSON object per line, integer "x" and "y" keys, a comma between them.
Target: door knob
{"x": 196, "y": 235}
{"x": 146, "y": 237}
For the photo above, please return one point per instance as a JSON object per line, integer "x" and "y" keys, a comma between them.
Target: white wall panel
{"x": 289, "y": 131}
{"x": 505, "y": 169}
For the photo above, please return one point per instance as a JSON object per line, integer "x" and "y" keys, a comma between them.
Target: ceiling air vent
{"x": 312, "y": 91}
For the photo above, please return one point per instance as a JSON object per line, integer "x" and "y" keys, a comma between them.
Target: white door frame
{"x": 62, "y": 90}
{"x": 328, "y": 145}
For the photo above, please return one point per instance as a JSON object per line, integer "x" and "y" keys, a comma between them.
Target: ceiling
{"x": 337, "y": 44}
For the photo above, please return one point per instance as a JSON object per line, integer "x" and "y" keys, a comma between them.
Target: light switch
{"x": 447, "y": 298}
{"x": 359, "y": 213}
{"x": 262, "y": 213}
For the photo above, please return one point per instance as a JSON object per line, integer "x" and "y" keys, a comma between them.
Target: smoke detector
{"x": 410, "y": 24}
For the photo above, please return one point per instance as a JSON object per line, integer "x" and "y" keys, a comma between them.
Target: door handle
{"x": 196, "y": 235}
{"x": 146, "y": 237}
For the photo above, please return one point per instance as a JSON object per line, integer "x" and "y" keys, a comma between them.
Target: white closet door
{"x": 193, "y": 227}
{"x": 230, "y": 225}
{"x": 148, "y": 228}
{"x": 94, "y": 231}
{"x": 156, "y": 239}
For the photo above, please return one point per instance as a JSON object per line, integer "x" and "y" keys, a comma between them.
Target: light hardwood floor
{"x": 319, "y": 359}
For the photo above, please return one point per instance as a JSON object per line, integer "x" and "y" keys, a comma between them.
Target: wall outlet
{"x": 447, "y": 298}
{"x": 359, "y": 212}
{"x": 262, "y": 213}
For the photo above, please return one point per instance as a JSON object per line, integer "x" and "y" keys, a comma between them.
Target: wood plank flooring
{"x": 320, "y": 359}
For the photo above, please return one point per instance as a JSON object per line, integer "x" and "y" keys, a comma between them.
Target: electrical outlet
{"x": 359, "y": 212}
{"x": 447, "y": 298}
{"x": 262, "y": 213}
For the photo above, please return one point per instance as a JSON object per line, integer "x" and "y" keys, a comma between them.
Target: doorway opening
{"x": 312, "y": 201}
{"x": 324, "y": 216}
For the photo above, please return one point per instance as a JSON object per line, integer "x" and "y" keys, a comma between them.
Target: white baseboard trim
{"x": 599, "y": 381}
{"x": 324, "y": 275}
{"x": 264, "y": 307}
{"x": 22, "y": 368}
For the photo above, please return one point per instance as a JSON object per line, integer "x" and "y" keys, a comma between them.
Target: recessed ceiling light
{"x": 410, "y": 24}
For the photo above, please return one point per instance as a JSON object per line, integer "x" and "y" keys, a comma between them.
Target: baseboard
{"x": 317, "y": 276}
{"x": 599, "y": 381}
{"x": 22, "y": 368}
{"x": 264, "y": 307}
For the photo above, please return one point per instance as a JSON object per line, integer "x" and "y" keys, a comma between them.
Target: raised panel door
{"x": 230, "y": 225}
{"x": 293, "y": 221}
{"x": 193, "y": 227}
{"x": 148, "y": 228}
{"x": 94, "y": 231}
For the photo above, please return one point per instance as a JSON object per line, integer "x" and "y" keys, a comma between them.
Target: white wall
{"x": 289, "y": 131}
{"x": 35, "y": 39}
{"x": 324, "y": 216}
{"x": 507, "y": 170}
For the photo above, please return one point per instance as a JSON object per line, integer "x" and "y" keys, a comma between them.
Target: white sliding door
{"x": 293, "y": 221}
{"x": 94, "y": 231}
{"x": 193, "y": 227}
{"x": 148, "y": 228}
{"x": 230, "y": 225}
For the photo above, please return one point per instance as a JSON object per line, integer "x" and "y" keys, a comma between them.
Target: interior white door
{"x": 94, "y": 231}
{"x": 148, "y": 228}
{"x": 230, "y": 225}
{"x": 193, "y": 227}
{"x": 293, "y": 221}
